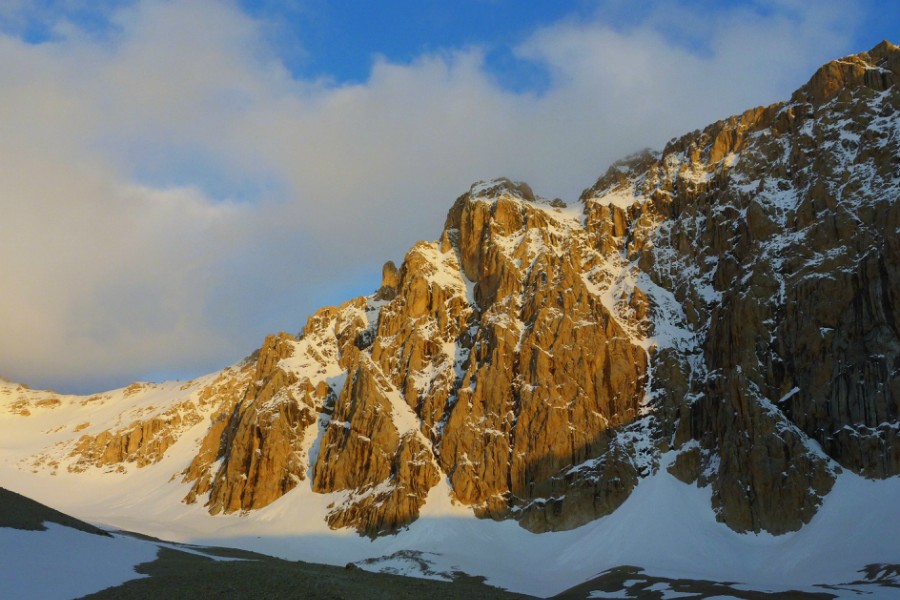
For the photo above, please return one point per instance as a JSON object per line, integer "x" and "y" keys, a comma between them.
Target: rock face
{"x": 154, "y": 429}
{"x": 725, "y": 309}
{"x": 777, "y": 232}
{"x": 259, "y": 442}
{"x": 142, "y": 442}
{"x": 548, "y": 367}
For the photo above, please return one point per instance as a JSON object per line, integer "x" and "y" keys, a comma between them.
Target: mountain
{"x": 719, "y": 316}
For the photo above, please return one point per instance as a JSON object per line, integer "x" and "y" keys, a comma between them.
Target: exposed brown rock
{"x": 395, "y": 502}
{"x": 390, "y": 280}
{"x": 877, "y": 69}
{"x": 142, "y": 442}
{"x": 23, "y": 405}
{"x": 389, "y": 472}
{"x": 259, "y": 441}
{"x": 546, "y": 363}
{"x": 526, "y": 348}
{"x": 261, "y": 436}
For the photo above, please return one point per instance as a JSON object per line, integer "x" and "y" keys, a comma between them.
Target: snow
{"x": 480, "y": 189}
{"x": 622, "y": 197}
{"x": 571, "y": 215}
{"x": 667, "y": 592}
{"x": 791, "y": 393}
{"x": 666, "y": 527}
{"x": 53, "y": 430}
{"x": 402, "y": 415}
{"x": 410, "y": 564}
{"x": 66, "y": 563}
{"x": 316, "y": 353}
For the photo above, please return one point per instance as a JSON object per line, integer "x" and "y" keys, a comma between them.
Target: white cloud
{"x": 169, "y": 192}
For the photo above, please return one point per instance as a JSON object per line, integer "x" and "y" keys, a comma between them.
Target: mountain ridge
{"x": 726, "y": 303}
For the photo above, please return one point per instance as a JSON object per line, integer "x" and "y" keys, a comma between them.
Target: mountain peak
{"x": 883, "y": 48}
{"x": 499, "y": 187}
{"x": 878, "y": 69}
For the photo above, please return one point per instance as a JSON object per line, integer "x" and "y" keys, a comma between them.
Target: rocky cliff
{"x": 725, "y": 309}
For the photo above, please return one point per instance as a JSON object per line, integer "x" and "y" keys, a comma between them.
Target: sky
{"x": 178, "y": 179}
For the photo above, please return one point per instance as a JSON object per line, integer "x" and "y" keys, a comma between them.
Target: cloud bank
{"x": 170, "y": 192}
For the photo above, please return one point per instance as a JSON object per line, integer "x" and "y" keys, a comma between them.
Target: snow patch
{"x": 67, "y": 563}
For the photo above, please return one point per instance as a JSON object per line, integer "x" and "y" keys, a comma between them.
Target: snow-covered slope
{"x": 48, "y": 554}
{"x": 62, "y": 563}
{"x": 665, "y": 527}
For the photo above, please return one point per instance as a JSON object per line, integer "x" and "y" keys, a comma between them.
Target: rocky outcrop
{"x": 877, "y": 70}
{"x": 388, "y": 472}
{"x": 261, "y": 439}
{"x": 257, "y": 447}
{"x": 142, "y": 442}
{"x": 151, "y": 429}
{"x": 396, "y": 501}
{"x": 550, "y": 368}
{"x": 24, "y": 407}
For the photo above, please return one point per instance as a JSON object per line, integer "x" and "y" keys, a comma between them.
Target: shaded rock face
{"x": 776, "y": 232}
{"x": 725, "y": 309}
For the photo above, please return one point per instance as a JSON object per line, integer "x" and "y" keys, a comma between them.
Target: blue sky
{"x": 339, "y": 40}
{"x": 180, "y": 178}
